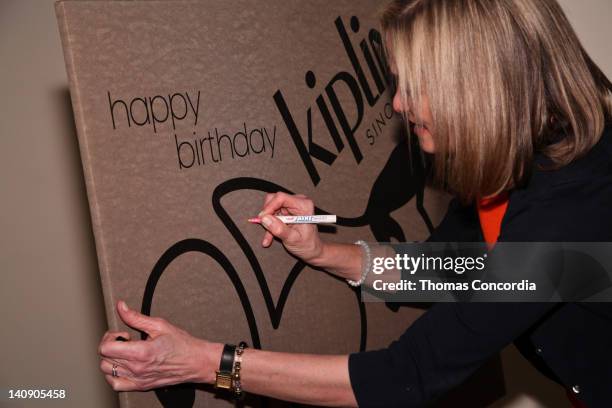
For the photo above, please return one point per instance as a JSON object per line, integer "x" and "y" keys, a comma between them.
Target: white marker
{"x": 300, "y": 219}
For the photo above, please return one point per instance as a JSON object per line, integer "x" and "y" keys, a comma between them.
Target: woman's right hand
{"x": 300, "y": 240}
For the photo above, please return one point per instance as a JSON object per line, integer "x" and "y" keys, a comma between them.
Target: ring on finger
{"x": 114, "y": 369}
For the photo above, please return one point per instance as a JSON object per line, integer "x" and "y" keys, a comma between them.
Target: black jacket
{"x": 569, "y": 342}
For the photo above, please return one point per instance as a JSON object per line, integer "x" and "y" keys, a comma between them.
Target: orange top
{"x": 491, "y": 212}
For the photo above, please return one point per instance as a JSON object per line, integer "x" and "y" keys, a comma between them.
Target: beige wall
{"x": 50, "y": 298}
{"x": 591, "y": 20}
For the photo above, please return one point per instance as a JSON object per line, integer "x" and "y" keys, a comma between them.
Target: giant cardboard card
{"x": 187, "y": 113}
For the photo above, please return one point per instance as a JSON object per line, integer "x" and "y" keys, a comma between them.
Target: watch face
{"x": 223, "y": 380}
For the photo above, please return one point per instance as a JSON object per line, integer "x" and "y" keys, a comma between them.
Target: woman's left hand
{"x": 168, "y": 356}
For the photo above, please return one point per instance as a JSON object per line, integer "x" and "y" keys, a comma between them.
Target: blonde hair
{"x": 504, "y": 80}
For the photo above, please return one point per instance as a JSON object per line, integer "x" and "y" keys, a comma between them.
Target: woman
{"x": 514, "y": 112}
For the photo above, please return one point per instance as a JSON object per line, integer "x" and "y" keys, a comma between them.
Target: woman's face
{"x": 423, "y": 126}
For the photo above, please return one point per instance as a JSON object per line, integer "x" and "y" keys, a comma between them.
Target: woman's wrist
{"x": 209, "y": 362}
{"x": 342, "y": 260}
{"x": 321, "y": 259}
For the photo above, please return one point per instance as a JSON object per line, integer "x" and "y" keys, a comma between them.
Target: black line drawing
{"x": 385, "y": 196}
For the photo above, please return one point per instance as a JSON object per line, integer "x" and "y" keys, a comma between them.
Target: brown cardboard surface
{"x": 169, "y": 199}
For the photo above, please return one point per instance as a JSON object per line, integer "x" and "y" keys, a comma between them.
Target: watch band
{"x": 227, "y": 358}
{"x": 226, "y": 366}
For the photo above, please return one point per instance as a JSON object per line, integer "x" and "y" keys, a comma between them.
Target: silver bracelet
{"x": 367, "y": 265}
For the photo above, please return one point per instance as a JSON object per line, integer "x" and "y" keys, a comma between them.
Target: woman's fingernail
{"x": 266, "y": 220}
{"x": 261, "y": 214}
{"x": 123, "y": 306}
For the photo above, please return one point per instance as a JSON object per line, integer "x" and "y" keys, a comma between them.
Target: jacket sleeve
{"x": 439, "y": 351}
{"x": 460, "y": 224}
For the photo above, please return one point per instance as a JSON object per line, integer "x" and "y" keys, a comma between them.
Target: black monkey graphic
{"x": 401, "y": 180}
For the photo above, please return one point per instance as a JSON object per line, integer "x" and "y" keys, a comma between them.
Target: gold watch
{"x": 224, "y": 377}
